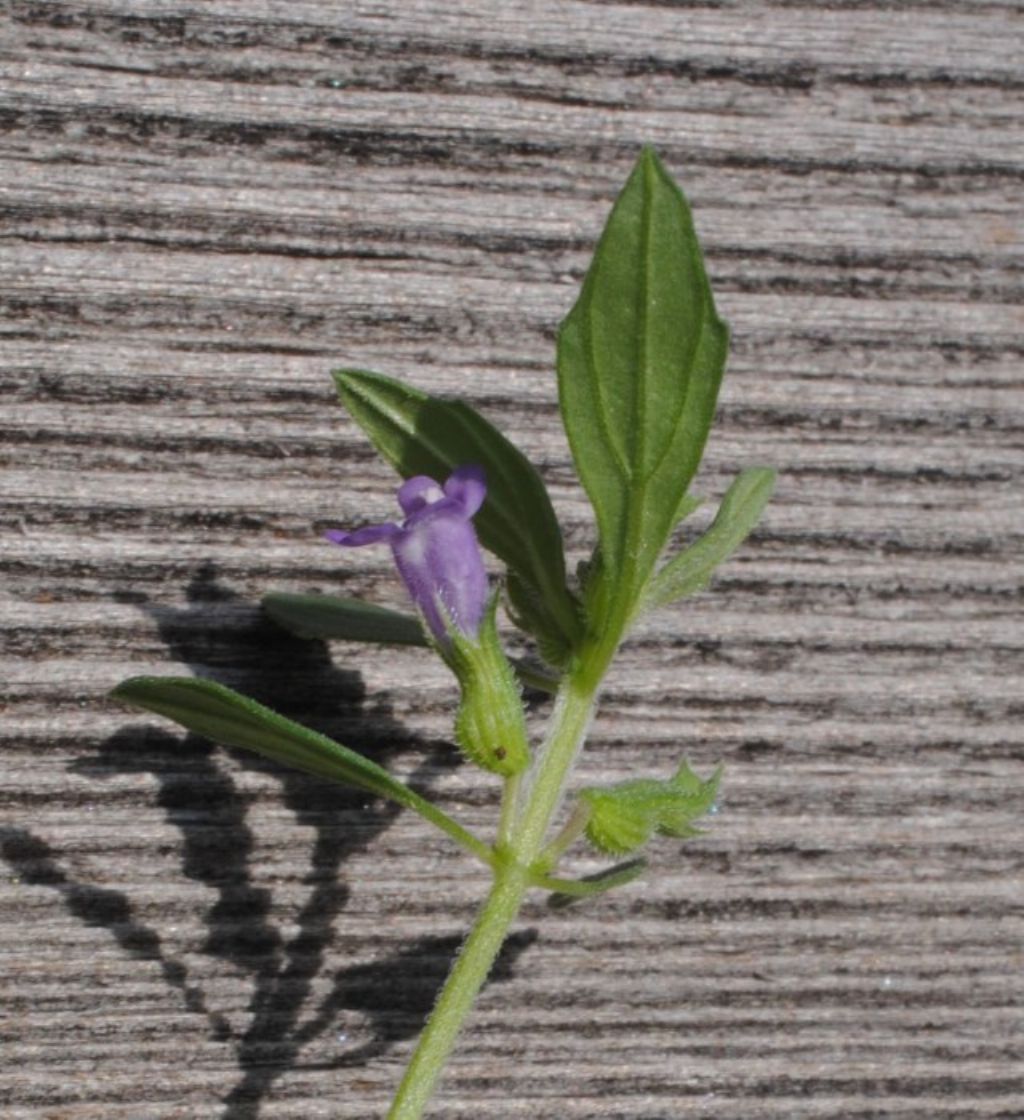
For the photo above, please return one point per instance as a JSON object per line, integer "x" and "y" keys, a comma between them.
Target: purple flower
{"x": 436, "y": 549}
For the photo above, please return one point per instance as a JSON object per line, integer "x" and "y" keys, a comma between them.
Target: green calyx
{"x": 623, "y": 817}
{"x": 489, "y": 727}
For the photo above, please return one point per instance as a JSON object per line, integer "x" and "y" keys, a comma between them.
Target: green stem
{"x": 460, "y": 991}
{"x": 509, "y": 811}
{"x": 570, "y": 832}
{"x": 569, "y": 723}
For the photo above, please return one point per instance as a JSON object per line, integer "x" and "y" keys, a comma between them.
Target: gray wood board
{"x": 206, "y": 206}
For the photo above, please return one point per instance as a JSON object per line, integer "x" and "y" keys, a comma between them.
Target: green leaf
{"x": 568, "y": 891}
{"x": 227, "y": 717}
{"x": 623, "y": 817}
{"x": 688, "y": 504}
{"x": 419, "y": 434}
{"x": 640, "y": 360}
{"x": 331, "y": 617}
{"x": 737, "y": 515}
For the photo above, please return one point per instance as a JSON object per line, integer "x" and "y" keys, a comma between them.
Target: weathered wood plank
{"x": 205, "y": 207}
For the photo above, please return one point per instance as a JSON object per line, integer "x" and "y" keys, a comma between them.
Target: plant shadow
{"x": 218, "y": 635}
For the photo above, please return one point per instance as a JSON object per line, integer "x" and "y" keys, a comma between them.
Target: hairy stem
{"x": 523, "y": 841}
{"x": 509, "y": 811}
{"x": 460, "y": 991}
{"x": 568, "y": 834}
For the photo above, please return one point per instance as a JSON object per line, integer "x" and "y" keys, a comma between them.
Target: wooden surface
{"x": 206, "y": 206}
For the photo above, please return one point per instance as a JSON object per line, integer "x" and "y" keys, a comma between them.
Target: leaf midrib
{"x": 634, "y": 475}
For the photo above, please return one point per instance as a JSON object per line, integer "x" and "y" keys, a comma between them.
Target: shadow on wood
{"x": 201, "y": 799}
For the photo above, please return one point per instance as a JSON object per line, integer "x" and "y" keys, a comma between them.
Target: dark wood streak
{"x": 206, "y": 207}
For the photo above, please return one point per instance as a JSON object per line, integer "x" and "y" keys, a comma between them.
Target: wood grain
{"x": 205, "y": 206}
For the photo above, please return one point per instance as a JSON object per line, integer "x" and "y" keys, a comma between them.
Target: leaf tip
{"x": 126, "y": 690}
{"x": 343, "y": 379}
{"x": 769, "y": 475}
{"x": 649, "y": 158}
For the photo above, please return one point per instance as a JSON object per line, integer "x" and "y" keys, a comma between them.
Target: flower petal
{"x": 468, "y": 486}
{"x": 417, "y": 492}
{"x": 446, "y": 507}
{"x": 436, "y": 550}
{"x": 440, "y": 563}
{"x": 369, "y": 534}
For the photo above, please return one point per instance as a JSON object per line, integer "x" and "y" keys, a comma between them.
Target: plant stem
{"x": 524, "y": 841}
{"x": 569, "y": 722}
{"x": 509, "y": 811}
{"x": 460, "y": 991}
{"x": 569, "y": 833}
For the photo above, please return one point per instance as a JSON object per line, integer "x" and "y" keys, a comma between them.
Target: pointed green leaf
{"x": 623, "y": 817}
{"x": 333, "y": 618}
{"x": 419, "y": 434}
{"x": 737, "y": 515}
{"x": 567, "y": 891}
{"x": 225, "y": 716}
{"x": 640, "y": 360}
{"x": 330, "y": 617}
